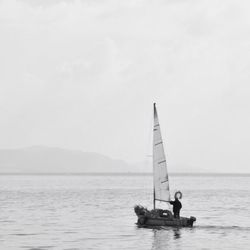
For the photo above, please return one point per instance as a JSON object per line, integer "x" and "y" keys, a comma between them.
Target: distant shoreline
{"x": 129, "y": 174}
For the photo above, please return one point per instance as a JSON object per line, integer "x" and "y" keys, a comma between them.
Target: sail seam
{"x": 158, "y": 143}
{"x": 161, "y": 162}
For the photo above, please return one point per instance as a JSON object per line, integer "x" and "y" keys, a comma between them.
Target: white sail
{"x": 161, "y": 183}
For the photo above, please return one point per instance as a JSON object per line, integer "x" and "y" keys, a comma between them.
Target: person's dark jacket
{"x": 176, "y": 205}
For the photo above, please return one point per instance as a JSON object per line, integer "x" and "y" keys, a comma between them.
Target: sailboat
{"x": 161, "y": 192}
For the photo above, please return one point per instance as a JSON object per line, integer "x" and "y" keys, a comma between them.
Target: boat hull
{"x": 156, "y": 222}
{"x": 159, "y": 218}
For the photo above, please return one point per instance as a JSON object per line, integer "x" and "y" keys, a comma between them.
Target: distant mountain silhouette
{"x": 40, "y": 159}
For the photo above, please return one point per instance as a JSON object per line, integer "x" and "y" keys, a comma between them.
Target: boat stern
{"x": 191, "y": 221}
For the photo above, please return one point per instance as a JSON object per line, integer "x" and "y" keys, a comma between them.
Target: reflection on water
{"x": 177, "y": 233}
{"x": 165, "y": 237}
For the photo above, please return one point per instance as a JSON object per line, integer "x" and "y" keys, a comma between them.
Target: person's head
{"x": 178, "y": 195}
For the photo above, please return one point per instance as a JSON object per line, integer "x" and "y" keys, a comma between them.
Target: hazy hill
{"x": 40, "y": 159}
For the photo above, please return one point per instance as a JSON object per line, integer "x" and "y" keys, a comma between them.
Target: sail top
{"x": 161, "y": 182}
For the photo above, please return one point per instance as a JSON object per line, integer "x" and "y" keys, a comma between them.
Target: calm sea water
{"x": 96, "y": 212}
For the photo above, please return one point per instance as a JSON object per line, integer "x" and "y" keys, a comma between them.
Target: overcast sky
{"x": 84, "y": 75}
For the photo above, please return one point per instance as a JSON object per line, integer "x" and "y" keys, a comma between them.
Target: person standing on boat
{"x": 176, "y": 207}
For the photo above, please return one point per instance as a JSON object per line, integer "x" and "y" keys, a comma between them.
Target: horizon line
{"x": 129, "y": 174}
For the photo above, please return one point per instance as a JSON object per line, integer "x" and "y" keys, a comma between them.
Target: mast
{"x": 161, "y": 182}
{"x": 155, "y": 114}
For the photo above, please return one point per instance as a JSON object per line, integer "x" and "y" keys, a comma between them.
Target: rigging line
{"x": 161, "y": 200}
{"x": 148, "y": 152}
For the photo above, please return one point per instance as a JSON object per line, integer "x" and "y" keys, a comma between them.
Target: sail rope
{"x": 149, "y": 157}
